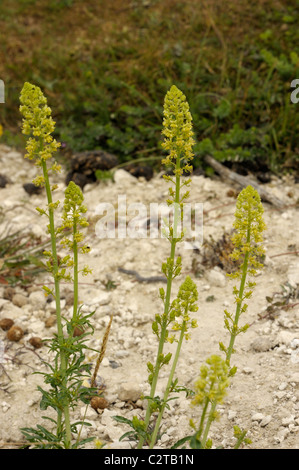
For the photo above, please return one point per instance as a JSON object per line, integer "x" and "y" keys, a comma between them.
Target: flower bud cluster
{"x": 213, "y": 381}
{"x": 177, "y": 129}
{"x": 185, "y": 303}
{"x": 73, "y": 209}
{"x": 37, "y": 121}
{"x": 249, "y": 225}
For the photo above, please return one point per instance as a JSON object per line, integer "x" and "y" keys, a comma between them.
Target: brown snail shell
{"x": 36, "y": 342}
{"x": 6, "y": 323}
{"x": 99, "y": 403}
{"x": 15, "y": 333}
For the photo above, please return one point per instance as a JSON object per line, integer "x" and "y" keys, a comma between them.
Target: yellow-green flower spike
{"x": 177, "y": 129}
{"x": 211, "y": 386}
{"x": 178, "y": 142}
{"x": 73, "y": 209}
{"x": 185, "y": 303}
{"x": 249, "y": 225}
{"x": 38, "y": 123}
{"x": 213, "y": 381}
{"x": 73, "y": 206}
{"x": 210, "y": 390}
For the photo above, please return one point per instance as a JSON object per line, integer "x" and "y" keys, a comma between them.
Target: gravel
{"x": 263, "y": 397}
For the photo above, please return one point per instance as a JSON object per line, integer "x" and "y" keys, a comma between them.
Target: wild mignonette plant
{"x": 177, "y": 130}
{"x": 68, "y": 370}
{"x": 211, "y": 386}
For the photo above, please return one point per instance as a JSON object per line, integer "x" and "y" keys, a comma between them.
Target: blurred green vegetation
{"x": 106, "y": 67}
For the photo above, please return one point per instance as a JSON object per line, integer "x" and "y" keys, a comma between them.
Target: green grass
{"x": 105, "y": 68}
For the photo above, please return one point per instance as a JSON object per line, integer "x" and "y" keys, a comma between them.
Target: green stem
{"x": 170, "y": 379}
{"x": 76, "y": 282}
{"x": 205, "y": 430}
{"x": 203, "y": 417}
{"x": 160, "y": 347}
{"x": 234, "y": 332}
{"x": 156, "y": 373}
{"x": 166, "y": 306}
{"x": 208, "y": 424}
{"x": 63, "y": 359}
{"x": 238, "y": 310}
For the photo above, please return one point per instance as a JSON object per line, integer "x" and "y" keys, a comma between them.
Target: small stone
{"x": 172, "y": 431}
{"x": 87, "y": 412}
{"x": 106, "y": 418}
{"x": 120, "y": 444}
{"x": 265, "y": 421}
{"x": 129, "y": 391}
{"x": 36, "y": 342}
{"x": 31, "y": 188}
{"x": 94, "y": 296}
{"x": 288, "y": 420}
{"x": 3, "y": 181}
{"x": 114, "y": 364}
{"x": 8, "y": 293}
{"x": 121, "y": 353}
{"x": 5, "y": 406}
{"x": 3, "y": 301}
{"x": 15, "y": 333}
{"x": 293, "y": 428}
{"x": 285, "y": 337}
{"x": 282, "y": 386}
{"x": 36, "y": 325}
{"x": 103, "y": 298}
{"x": 10, "y": 310}
{"x": 50, "y": 321}
{"x": 261, "y": 344}
{"x": 6, "y": 323}
{"x": 37, "y": 299}
{"x": 280, "y": 395}
{"x": 294, "y": 377}
{"x": 19, "y": 300}
{"x": 122, "y": 176}
{"x": 31, "y": 289}
{"x": 216, "y": 278}
{"x": 257, "y": 417}
{"x": 282, "y": 434}
{"x": 69, "y": 299}
{"x": 293, "y": 273}
{"x": 164, "y": 438}
{"x": 231, "y": 414}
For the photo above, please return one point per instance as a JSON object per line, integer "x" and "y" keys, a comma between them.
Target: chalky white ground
{"x": 264, "y": 395}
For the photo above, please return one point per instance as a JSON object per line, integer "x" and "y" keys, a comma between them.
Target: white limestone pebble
{"x": 129, "y": 391}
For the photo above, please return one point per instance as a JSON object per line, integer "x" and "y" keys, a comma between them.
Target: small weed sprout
{"x": 66, "y": 375}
